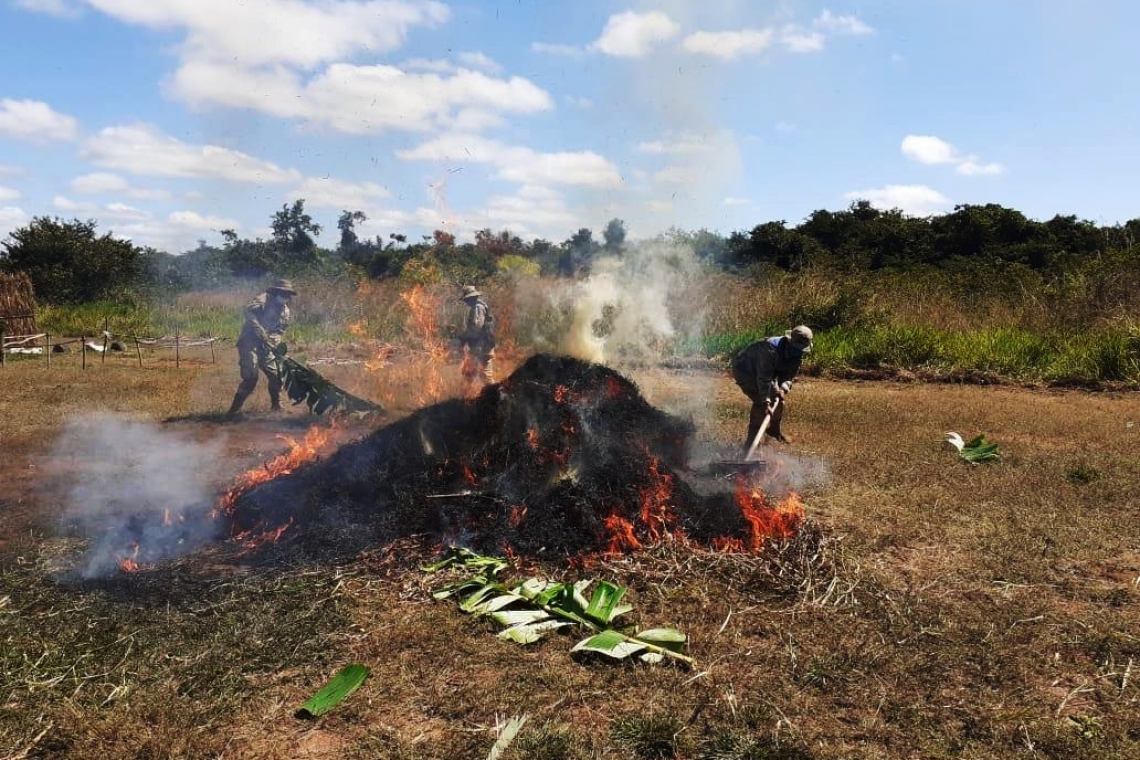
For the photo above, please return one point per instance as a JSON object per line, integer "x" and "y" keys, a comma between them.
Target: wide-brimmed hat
{"x": 801, "y": 337}
{"x": 282, "y": 286}
{"x": 469, "y": 291}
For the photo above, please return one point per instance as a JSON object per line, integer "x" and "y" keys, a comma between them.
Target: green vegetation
{"x": 980, "y": 292}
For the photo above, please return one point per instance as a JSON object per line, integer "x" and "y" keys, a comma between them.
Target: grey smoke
{"x": 128, "y": 482}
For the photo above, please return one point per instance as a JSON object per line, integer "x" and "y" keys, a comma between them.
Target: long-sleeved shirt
{"x": 273, "y": 317}
{"x": 477, "y": 325}
{"x": 767, "y": 361}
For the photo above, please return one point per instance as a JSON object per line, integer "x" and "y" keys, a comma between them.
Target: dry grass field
{"x": 965, "y": 611}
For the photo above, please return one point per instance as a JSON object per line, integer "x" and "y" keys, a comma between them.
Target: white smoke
{"x": 134, "y": 484}
{"x": 636, "y": 307}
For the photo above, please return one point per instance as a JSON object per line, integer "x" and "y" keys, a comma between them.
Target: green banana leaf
{"x": 344, "y": 683}
{"x": 303, "y": 384}
{"x": 528, "y": 610}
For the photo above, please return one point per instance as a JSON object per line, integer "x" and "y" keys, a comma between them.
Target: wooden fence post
{"x": 3, "y": 353}
{"x": 177, "y": 351}
{"x": 83, "y": 351}
{"x": 213, "y": 356}
{"x": 138, "y": 351}
{"x": 106, "y": 337}
{"x": 47, "y": 348}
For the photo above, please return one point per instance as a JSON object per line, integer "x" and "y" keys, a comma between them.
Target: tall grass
{"x": 931, "y": 324}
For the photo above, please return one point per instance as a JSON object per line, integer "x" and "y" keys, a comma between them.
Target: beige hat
{"x": 469, "y": 291}
{"x": 801, "y": 337}
{"x": 283, "y": 286}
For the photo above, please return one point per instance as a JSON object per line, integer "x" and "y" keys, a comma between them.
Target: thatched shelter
{"x": 17, "y": 305}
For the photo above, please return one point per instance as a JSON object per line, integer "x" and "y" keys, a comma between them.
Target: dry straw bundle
{"x": 17, "y": 305}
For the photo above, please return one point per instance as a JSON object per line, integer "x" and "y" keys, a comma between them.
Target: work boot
{"x": 777, "y": 435}
{"x": 235, "y": 408}
{"x": 275, "y": 399}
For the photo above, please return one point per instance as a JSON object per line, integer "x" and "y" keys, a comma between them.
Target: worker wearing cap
{"x": 765, "y": 371}
{"x": 478, "y": 334}
{"x": 266, "y": 319}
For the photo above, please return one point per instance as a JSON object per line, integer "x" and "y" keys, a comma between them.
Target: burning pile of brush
{"x": 563, "y": 458}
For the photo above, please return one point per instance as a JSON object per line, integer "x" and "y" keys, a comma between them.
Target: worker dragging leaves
{"x": 266, "y": 319}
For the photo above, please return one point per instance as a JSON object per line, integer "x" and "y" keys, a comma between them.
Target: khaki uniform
{"x": 479, "y": 338}
{"x": 758, "y": 370}
{"x": 265, "y": 323}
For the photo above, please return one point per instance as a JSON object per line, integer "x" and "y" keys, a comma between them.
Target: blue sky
{"x": 170, "y": 120}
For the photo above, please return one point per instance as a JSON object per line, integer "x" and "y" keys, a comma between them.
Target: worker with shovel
{"x": 765, "y": 371}
{"x": 266, "y": 319}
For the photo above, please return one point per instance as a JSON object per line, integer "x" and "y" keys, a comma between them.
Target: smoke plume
{"x": 140, "y": 493}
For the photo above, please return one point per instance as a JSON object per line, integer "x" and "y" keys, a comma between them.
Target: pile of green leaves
{"x": 304, "y": 384}
{"x": 977, "y": 449}
{"x": 527, "y": 610}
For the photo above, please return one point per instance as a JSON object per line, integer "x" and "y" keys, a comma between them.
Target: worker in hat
{"x": 477, "y": 336}
{"x": 765, "y": 371}
{"x": 266, "y": 319}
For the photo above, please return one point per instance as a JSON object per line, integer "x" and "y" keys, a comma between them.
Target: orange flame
{"x": 622, "y": 536}
{"x": 130, "y": 564}
{"x": 656, "y": 510}
{"x": 532, "y": 438}
{"x": 298, "y": 454}
{"x": 765, "y": 520}
{"x": 423, "y": 329}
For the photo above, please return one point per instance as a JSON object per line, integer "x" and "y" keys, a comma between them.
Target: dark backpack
{"x": 489, "y": 327}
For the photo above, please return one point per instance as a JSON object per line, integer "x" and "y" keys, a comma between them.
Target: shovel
{"x": 748, "y": 464}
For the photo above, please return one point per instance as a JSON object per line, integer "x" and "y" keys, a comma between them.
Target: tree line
{"x": 70, "y": 262}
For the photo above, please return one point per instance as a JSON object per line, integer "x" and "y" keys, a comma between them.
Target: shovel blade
{"x": 744, "y": 467}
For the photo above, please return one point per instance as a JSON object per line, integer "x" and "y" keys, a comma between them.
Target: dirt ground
{"x": 981, "y": 611}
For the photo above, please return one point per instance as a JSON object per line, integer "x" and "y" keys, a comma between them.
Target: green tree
{"x": 347, "y": 226}
{"x": 68, "y": 262}
{"x": 614, "y": 236}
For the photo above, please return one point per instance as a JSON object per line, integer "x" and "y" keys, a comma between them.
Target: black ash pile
{"x": 564, "y": 457}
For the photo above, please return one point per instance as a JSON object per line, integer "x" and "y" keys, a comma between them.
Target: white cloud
{"x": 65, "y": 204}
{"x": 730, "y": 45}
{"x": 730, "y": 201}
{"x": 971, "y": 168}
{"x": 519, "y": 164}
{"x": 106, "y": 183}
{"x": 438, "y": 65}
{"x": 675, "y": 144}
{"x": 847, "y": 25}
{"x": 477, "y": 60}
{"x": 927, "y": 149}
{"x": 179, "y": 231}
{"x": 57, "y": 8}
{"x": 579, "y": 101}
{"x": 8, "y": 193}
{"x": 915, "y": 200}
{"x": 11, "y": 218}
{"x": 361, "y": 99}
{"x": 34, "y": 121}
{"x": 144, "y": 150}
{"x": 269, "y": 32}
{"x": 798, "y": 40}
{"x": 340, "y": 195}
{"x": 556, "y": 48}
{"x": 10, "y": 170}
{"x": 633, "y": 35}
{"x": 123, "y": 211}
{"x": 678, "y": 175}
